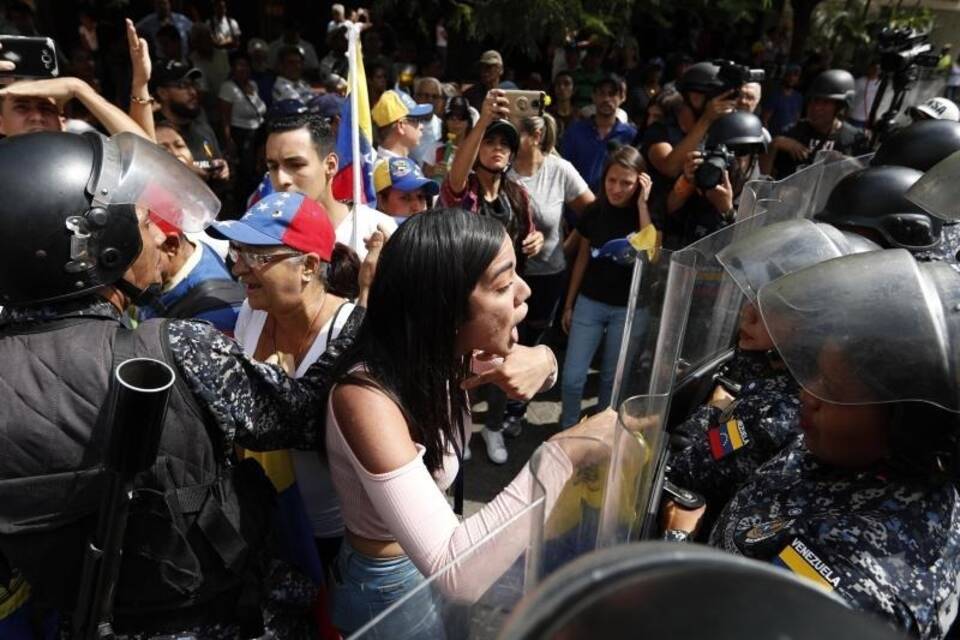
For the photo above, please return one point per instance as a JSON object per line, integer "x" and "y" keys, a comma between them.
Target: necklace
{"x": 290, "y": 361}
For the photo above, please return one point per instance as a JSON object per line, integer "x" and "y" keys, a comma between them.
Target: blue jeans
{"x": 592, "y": 321}
{"x": 365, "y": 586}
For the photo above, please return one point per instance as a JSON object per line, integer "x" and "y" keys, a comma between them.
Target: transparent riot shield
{"x": 472, "y": 595}
{"x": 795, "y": 192}
{"x": 690, "y": 311}
{"x": 836, "y": 167}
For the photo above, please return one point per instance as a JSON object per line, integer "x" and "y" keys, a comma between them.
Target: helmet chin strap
{"x": 148, "y": 297}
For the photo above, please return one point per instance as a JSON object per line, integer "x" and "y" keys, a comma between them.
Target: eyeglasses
{"x": 259, "y": 260}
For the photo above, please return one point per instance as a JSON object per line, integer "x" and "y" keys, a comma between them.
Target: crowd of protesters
{"x": 616, "y": 154}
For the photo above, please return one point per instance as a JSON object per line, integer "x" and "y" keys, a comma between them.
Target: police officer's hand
{"x": 533, "y": 243}
{"x": 719, "y": 106}
{"x": 721, "y": 196}
{"x": 220, "y": 170}
{"x": 495, "y": 106}
{"x": 796, "y": 149}
{"x": 694, "y": 160}
{"x": 673, "y": 516}
{"x": 720, "y": 398}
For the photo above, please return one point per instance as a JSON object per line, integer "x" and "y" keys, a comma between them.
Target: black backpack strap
{"x": 209, "y": 295}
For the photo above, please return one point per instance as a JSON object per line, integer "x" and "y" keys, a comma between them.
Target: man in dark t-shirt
{"x": 823, "y": 128}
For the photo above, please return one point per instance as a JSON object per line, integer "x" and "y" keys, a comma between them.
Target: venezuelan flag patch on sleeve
{"x": 727, "y": 438}
{"x": 799, "y": 558}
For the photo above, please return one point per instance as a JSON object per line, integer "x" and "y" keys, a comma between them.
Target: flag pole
{"x": 355, "y": 131}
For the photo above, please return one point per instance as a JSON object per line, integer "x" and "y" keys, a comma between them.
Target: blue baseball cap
{"x": 290, "y": 219}
{"x": 402, "y": 174}
{"x": 327, "y": 105}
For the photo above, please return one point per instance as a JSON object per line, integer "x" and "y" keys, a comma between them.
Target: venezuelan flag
{"x": 727, "y": 438}
{"x": 343, "y": 181}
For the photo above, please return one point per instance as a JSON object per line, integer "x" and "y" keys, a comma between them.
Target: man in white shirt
{"x": 429, "y": 91}
{"x": 400, "y": 121}
{"x": 866, "y": 90}
{"x": 301, "y": 157}
{"x": 289, "y": 84}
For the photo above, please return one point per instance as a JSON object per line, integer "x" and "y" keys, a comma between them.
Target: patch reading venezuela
{"x": 727, "y": 438}
{"x": 803, "y": 561}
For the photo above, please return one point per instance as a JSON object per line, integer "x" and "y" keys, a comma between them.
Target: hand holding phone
{"x": 524, "y": 104}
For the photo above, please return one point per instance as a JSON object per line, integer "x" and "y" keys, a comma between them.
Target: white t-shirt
{"x": 556, "y": 183}
{"x": 866, "y": 91}
{"x": 367, "y": 222}
{"x": 285, "y": 89}
{"x": 312, "y": 473}
{"x": 224, "y": 29}
{"x": 248, "y": 109}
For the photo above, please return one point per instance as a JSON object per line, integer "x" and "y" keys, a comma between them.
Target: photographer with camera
{"x": 704, "y": 198}
{"x": 828, "y": 99}
{"x": 710, "y": 90}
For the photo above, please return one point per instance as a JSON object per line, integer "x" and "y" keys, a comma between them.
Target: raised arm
{"x": 141, "y": 104}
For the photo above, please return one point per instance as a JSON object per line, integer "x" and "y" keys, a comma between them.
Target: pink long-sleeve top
{"x": 408, "y": 505}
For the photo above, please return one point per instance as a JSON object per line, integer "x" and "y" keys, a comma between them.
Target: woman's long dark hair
{"x": 418, "y": 302}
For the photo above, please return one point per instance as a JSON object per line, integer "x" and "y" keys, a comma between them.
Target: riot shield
{"x": 473, "y": 594}
{"x": 669, "y": 590}
{"x": 691, "y": 318}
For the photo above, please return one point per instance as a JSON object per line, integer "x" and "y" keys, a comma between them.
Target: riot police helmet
{"x": 874, "y": 199}
{"x": 739, "y": 131}
{"x": 833, "y": 84}
{"x": 920, "y": 145}
{"x": 70, "y": 218}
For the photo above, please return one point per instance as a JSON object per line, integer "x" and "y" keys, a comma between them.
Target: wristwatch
{"x": 676, "y": 535}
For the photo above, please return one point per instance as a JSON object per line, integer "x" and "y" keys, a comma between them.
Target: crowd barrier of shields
{"x": 579, "y": 554}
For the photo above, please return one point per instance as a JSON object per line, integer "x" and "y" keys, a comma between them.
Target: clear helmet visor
{"x": 869, "y": 328}
{"x": 774, "y": 251}
{"x": 135, "y": 171}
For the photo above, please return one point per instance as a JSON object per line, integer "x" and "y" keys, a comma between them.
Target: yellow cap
{"x": 394, "y": 105}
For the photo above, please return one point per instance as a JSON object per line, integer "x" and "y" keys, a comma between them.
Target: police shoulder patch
{"x": 727, "y": 437}
{"x": 802, "y": 560}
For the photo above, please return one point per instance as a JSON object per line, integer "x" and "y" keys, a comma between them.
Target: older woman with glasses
{"x": 298, "y": 283}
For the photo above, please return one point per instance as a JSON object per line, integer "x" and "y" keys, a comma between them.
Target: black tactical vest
{"x": 197, "y": 522}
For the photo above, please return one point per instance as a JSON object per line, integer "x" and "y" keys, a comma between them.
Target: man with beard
{"x": 586, "y": 142}
{"x": 176, "y": 91}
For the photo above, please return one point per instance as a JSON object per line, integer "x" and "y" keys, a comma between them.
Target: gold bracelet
{"x": 147, "y": 100}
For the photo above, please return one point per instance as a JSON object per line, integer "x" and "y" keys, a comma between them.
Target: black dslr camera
{"x": 716, "y": 160}
{"x": 732, "y": 76}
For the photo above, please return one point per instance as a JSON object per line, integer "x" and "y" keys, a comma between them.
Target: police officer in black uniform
{"x": 822, "y": 129}
{"x": 79, "y": 247}
{"x": 698, "y": 205}
{"x": 865, "y": 502}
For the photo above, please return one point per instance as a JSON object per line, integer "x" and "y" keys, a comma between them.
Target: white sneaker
{"x": 496, "y": 449}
